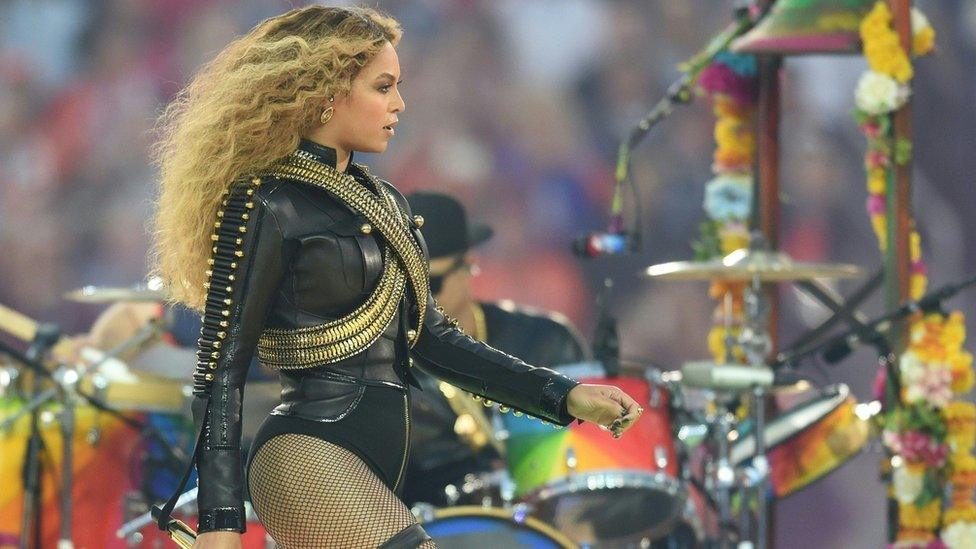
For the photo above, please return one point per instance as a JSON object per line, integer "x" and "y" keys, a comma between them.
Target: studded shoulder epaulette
{"x": 226, "y": 255}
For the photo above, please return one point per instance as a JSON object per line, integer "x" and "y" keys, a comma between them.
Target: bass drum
{"x": 473, "y": 527}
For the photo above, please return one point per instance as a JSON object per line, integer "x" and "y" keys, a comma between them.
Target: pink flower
{"x": 871, "y": 130}
{"x": 877, "y": 205}
{"x": 718, "y": 78}
{"x": 877, "y": 159}
{"x": 880, "y": 380}
{"x": 920, "y": 268}
{"x": 916, "y": 446}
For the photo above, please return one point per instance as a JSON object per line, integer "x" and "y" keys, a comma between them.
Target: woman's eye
{"x": 386, "y": 88}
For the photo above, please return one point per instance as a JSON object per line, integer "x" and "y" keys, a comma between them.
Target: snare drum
{"x": 472, "y": 527}
{"x": 809, "y": 441}
{"x": 591, "y": 486}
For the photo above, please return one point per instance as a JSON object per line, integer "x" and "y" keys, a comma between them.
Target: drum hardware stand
{"x": 606, "y": 341}
{"x": 721, "y": 479}
{"x": 756, "y": 344}
{"x": 65, "y": 385}
{"x": 30, "y": 526}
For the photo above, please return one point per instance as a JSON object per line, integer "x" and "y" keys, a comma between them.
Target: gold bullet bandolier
{"x": 403, "y": 263}
{"x": 233, "y": 217}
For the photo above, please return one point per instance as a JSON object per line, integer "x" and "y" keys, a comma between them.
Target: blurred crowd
{"x": 517, "y": 108}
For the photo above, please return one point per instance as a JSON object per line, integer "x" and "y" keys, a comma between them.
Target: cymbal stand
{"x": 756, "y": 344}
{"x": 721, "y": 478}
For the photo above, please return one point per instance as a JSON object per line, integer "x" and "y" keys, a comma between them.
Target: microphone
{"x": 709, "y": 375}
{"x": 603, "y": 244}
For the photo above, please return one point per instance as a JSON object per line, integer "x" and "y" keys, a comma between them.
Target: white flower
{"x": 879, "y": 93}
{"x": 912, "y": 367}
{"x": 919, "y": 21}
{"x": 960, "y": 535}
{"x": 907, "y": 485}
{"x": 728, "y": 197}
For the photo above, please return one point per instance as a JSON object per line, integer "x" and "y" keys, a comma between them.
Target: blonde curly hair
{"x": 243, "y": 111}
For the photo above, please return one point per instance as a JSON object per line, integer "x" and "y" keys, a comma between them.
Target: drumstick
{"x": 17, "y": 324}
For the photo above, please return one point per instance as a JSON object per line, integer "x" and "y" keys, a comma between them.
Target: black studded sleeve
{"x": 245, "y": 270}
{"x": 446, "y": 352}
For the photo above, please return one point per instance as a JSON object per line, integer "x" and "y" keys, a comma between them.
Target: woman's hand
{"x": 218, "y": 540}
{"x": 605, "y": 405}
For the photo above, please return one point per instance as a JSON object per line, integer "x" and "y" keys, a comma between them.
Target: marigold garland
{"x": 730, "y": 82}
{"x": 928, "y": 429}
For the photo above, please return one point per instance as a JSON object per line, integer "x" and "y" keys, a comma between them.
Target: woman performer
{"x": 267, "y": 226}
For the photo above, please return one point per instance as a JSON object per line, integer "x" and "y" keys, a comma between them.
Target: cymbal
{"x": 745, "y": 265}
{"x": 108, "y": 294}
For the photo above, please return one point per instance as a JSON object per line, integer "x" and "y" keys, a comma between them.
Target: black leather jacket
{"x": 306, "y": 262}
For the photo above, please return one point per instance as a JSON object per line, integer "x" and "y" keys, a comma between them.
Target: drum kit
{"x": 692, "y": 473}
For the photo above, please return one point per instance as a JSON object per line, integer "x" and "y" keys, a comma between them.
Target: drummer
{"x": 438, "y": 457}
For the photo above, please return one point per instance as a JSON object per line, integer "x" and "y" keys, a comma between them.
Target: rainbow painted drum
{"x": 473, "y": 527}
{"x": 591, "y": 486}
{"x": 810, "y": 440}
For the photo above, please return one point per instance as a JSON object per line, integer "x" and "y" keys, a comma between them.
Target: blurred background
{"x": 516, "y": 107}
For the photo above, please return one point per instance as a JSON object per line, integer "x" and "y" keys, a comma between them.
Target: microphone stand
{"x": 30, "y": 525}
{"x": 678, "y": 93}
{"x": 872, "y": 332}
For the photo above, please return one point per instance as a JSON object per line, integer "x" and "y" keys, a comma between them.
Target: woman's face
{"x": 364, "y": 119}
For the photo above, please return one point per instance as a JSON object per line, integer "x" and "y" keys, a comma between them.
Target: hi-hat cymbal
{"x": 152, "y": 291}
{"x": 745, "y": 265}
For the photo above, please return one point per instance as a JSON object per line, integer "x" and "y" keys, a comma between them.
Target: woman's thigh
{"x": 309, "y": 492}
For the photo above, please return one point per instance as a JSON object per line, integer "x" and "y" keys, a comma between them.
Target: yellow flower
{"x": 962, "y": 463}
{"x": 877, "y": 180}
{"x": 924, "y": 41}
{"x": 959, "y": 410}
{"x": 963, "y": 377}
{"x": 923, "y": 35}
{"x": 724, "y": 106}
{"x": 716, "y": 343}
{"x": 917, "y": 286}
{"x": 966, "y": 513}
{"x": 732, "y": 241}
{"x": 882, "y": 47}
{"x": 880, "y": 229}
{"x": 920, "y": 518}
{"x": 915, "y": 246}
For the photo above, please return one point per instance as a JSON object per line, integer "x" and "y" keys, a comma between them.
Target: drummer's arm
{"x": 116, "y": 325}
{"x": 446, "y": 352}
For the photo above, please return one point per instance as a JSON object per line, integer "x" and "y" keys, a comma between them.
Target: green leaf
{"x": 903, "y": 151}
{"x": 884, "y": 123}
{"x": 708, "y": 244}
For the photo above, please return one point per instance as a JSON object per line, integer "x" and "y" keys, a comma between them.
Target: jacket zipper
{"x": 406, "y": 442}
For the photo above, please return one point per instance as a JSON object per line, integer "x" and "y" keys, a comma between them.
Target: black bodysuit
{"x": 301, "y": 258}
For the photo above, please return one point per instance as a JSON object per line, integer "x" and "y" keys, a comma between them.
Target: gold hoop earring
{"x": 327, "y": 115}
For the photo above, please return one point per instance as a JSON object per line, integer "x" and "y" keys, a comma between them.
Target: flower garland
{"x": 731, "y": 83}
{"x": 930, "y": 434}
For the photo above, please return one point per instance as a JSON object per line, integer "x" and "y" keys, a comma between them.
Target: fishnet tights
{"x": 310, "y": 493}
